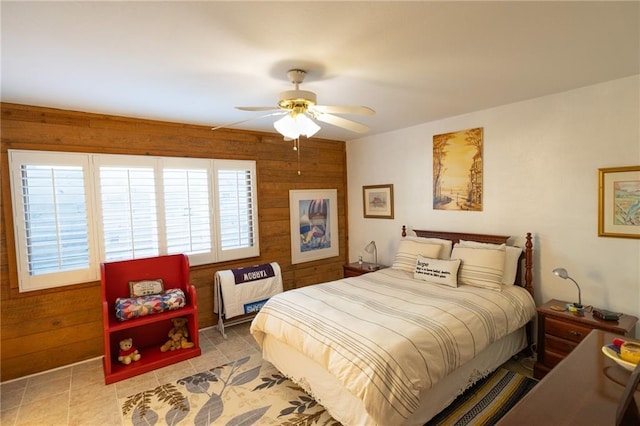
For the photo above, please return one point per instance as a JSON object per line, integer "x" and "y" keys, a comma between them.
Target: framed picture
{"x": 378, "y": 201}
{"x": 314, "y": 224}
{"x": 619, "y": 202}
{"x": 458, "y": 170}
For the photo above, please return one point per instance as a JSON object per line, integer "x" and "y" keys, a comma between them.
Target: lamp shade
{"x": 562, "y": 273}
{"x": 293, "y": 125}
{"x": 371, "y": 248}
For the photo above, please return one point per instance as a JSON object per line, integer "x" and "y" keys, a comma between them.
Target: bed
{"x": 397, "y": 345}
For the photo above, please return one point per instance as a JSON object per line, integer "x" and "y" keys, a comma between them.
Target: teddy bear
{"x": 175, "y": 342}
{"x": 178, "y": 336}
{"x": 128, "y": 353}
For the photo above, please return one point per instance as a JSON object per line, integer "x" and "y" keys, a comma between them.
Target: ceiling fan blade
{"x": 342, "y": 122}
{"x": 248, "y": 119}
{"x": 263, "y": 108}
{"x": 343, "y": 109}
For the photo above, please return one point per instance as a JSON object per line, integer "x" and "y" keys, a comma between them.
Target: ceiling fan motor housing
{"x": 297, "y": 100}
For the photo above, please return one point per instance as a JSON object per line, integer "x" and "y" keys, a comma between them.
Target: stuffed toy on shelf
{"x": 178, "y": 336}
{"x": 128, "y": 353}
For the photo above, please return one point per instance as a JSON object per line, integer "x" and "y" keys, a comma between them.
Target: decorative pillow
{"x": 437, "y": 271}
{"x": 480, "y": 267}
{"x": 446, "y": 245}
{"x": 408, "y": 251}
{"x": 134, "y": 307}
{"x": 511, "y": 258}
{"x": 145, "y": 287}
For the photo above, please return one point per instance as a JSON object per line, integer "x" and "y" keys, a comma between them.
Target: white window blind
{"x": 237, "y": 208}
{"x": 51, "y": 220}
{"x": 187, "y": 211}
{"x": 74, "y": 211}
{"x": 129, "y": 216}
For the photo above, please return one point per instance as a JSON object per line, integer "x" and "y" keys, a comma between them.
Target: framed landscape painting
{"x": 619, "y": 202}
{"x": 458, "y": 170}
{"x": 378, "y": 201}
{"x": 314, "y": 224}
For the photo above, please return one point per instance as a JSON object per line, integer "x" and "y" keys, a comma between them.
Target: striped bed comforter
{"x": 387, "y": 337}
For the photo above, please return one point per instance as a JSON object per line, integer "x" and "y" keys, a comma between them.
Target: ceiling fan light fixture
{"x": 293, "y": 125}
{"x": 302, "y": 111}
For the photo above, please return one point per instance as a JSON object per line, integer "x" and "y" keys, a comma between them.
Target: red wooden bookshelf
{"x": 150, "y": 332}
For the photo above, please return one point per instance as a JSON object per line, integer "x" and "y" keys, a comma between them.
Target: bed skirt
{"x": 349, "y": 410}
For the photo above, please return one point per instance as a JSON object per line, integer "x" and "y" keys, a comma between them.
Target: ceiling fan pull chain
{"x": 296, "y": 147}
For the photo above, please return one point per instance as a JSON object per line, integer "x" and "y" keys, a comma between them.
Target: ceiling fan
{"x": 300, "y": 112}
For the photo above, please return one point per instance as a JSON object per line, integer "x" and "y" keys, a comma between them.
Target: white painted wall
{"x": 541, "y": 160}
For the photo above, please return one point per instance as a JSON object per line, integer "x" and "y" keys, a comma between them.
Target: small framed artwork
{"x": 378, "y": 201}
{"x": 314, "y": 224}
{"x": 619, "y": 202}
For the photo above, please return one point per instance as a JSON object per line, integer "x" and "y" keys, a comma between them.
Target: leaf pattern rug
{"x": 244, "y": 392}
{"x": 249, "y": 391}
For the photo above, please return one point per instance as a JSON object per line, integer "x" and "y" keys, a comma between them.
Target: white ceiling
{"x": 413, "y": 62}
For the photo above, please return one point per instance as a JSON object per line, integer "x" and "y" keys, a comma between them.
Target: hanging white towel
{"x": 244, "y": 290}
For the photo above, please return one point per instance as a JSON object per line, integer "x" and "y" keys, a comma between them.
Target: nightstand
{"x": 559, "y": 332}
{"x": 356, "y": 269}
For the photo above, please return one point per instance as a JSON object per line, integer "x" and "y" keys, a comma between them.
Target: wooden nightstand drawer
{"x": 558, "y": 345}
{"x": 551, "y": 359}
{"x": 566, "y": 330}
{"x": 351, "y": 273}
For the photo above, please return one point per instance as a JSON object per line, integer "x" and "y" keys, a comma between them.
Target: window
{"x": 236, "y": 208}
{"x": 73, "y": 211}
{"x": 53, "y": 225}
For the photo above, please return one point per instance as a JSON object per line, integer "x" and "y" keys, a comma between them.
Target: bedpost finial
{"x": 528, "y": 263}
{"x": 404, "y": 231}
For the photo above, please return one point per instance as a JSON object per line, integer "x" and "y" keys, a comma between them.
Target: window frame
{"x": 250, "y": 251}
{"x": 91, "y": 163}
{"x": 26, "y": 281}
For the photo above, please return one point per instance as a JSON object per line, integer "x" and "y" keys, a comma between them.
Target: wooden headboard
{"x": 524, "y": 277}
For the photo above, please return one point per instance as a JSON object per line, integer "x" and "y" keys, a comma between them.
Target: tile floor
{"x": 77, "y": 395}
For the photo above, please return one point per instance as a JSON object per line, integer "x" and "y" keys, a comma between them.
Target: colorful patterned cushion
{"x": 134, "y": 307}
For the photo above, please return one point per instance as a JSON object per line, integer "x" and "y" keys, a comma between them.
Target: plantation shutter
{"x": 129, "y": 212}
{"x": 51, "y": 222}
{"x": 75, "y": 210}
{"x": 188, "y": 211}
{"x": 237, "y": 208}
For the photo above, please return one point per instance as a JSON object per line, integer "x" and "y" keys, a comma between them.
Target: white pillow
{"x": 437, "y": 271}
{"x": 511, "y": 258}
{"x": 480, "y": 267}
{"x": 408, "y": 251}
{"x": 445, "y": 251}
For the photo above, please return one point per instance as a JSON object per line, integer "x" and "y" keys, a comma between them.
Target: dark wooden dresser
{"x": 584, "y": 389}
{"x": 560, "y": 332}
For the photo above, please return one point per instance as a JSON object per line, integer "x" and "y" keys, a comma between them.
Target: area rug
{"x": 249, "y": 391}
{"x": 244, "y": 392}
{"x": 486, "y": 401}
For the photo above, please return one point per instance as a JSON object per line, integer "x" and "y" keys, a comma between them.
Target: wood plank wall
{"x": 42, "y": 330}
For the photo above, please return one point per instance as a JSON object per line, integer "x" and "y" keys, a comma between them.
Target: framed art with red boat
{"x": 378, "y": 201}
{"x": 314, "y": 224}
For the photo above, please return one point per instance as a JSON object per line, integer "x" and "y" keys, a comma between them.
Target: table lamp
{"x": 371, "y": 248}
{"x": 562, "y": 273}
